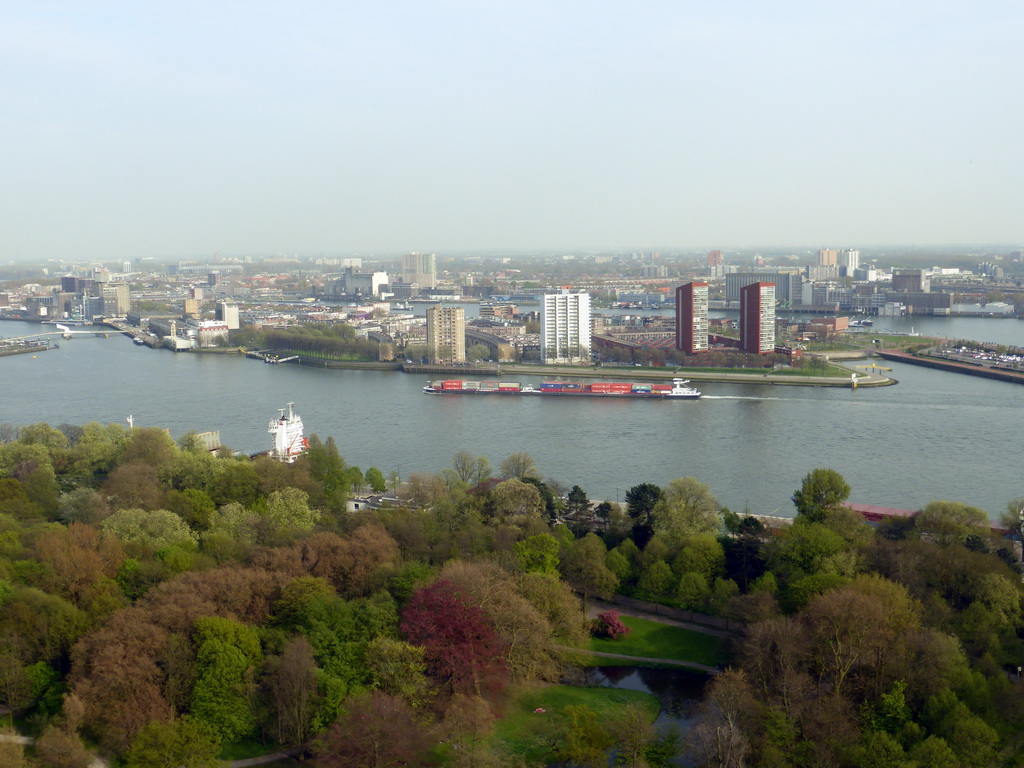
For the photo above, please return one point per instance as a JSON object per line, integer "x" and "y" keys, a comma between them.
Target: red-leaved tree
{"x": 460, "y": 646}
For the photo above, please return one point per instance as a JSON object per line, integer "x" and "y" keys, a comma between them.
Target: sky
{"x": 184, "y": 129}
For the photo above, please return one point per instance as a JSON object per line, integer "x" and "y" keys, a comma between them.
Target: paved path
{"x": 600, "y": 606}
{"x": 625, "y": 657}
{"x": 261, "y": 760}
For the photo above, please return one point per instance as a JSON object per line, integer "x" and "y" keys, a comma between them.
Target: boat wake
{"x": 740, "y": 397}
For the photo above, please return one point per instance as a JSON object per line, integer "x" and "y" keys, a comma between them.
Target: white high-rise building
{"x": 420, "y": 268}
{"x": 565, "y": 328}
{"x": 850, "y": 259}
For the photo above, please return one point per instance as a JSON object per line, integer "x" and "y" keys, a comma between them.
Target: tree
{"x": 821, "y": 491}
{"x": 375, "y": 479}
{"x": 471, "y": 470}
{"x": 182, "y": 743}
{"x": 950, "y": 522}
{"x": 514, "y": 499}
{"x": 538, "y": 554}
{"x": 577, "y": 503}
{"x": 157, "y": 529}
{"x": 586, "y": 741}
{"x": 227, "y": 656}
{"x": 460, "y": 647}
{"x": 641, "y": 500}
{"x": 291, "y": 678}
{"x": 519, "y": 466}
{"x": 584, "y": 567}
{"x": 609, "y": 625}
{"x": 61, "y": 748}
{"x": 398, "y": 669}
{"x": 686, "y": 507}
{"x": 376, "y": 731}
{"x": 149, "y": 445}
{"x": 468, "y": 722}
{"x": 656, "y": 579}
{"x": 288, "y": 511}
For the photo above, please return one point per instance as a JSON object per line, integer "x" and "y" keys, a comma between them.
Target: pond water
{"x": 678, "y": 690}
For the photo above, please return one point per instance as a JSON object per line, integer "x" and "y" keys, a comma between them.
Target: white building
{"x": 228, "y": 314}
{"x": 565, "y": 327}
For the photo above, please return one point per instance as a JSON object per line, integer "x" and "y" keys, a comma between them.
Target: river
{"x": 936, "y": 435}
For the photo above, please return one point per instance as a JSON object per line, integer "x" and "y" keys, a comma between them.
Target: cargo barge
{"x": 677, "y": 390}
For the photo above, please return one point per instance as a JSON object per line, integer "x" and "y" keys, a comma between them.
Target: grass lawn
{"x": 520, "y": 727}
{"x": 662, "y": 641}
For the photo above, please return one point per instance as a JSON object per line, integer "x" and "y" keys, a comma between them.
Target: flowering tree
{"x": 608, "y": 624}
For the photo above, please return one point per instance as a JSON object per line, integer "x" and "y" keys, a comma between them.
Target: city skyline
{"x": 196, "y": 129}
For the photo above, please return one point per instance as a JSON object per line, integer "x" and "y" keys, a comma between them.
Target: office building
{"x": 715, "y": 259}
{"x": 827, "y": 257}
{"x": 757, "y": 318}
{"x": 420, "y": 268}
{"x": 692, "y": 318}
{"x": 565, "y": 327}
{"x": 446, "y": 334}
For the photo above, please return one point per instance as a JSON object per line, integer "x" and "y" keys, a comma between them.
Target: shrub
{"x": 609, "y": 625}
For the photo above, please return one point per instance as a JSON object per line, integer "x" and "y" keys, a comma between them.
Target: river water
{"x": 935, "y": 435}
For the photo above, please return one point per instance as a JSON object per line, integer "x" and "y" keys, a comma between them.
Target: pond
{"x": 679, "y": 691}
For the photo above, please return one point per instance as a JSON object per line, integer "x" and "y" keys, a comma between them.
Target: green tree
{"x": 157, "y": 529}
{"x": 822, "y": 490}
{"x": 538, "y": 554}
{"x": 288, "y": 511}
{"x": 183, "y": 743}
{"x": 399, "y": 669}
{"x": 686, "y": 507}
{"x": 584, "y": 567}
{"x": 641, "y": 500}
{"x": 657, "y": 579}
{"x": 375, "y": 479}
{"x": 950, "y": 522}
{"x": 586, "y": 740}
{"x": 227, "y": 657}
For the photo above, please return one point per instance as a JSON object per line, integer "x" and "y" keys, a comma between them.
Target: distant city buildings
{"x": 565, "y": 328}
{"x": 849, "y": 262}
{"x": 354, "y": 283}
{"x": 757, "y": 318}
{"x": 911, "y": 281}
{"x": 828, "y": 257}
{"x": 420, "y": 268}
{"x": 692, "y": 318}
{"x": 446, "y": 334}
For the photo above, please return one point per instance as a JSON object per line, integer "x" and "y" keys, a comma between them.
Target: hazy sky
{"x": 185, "y": 128}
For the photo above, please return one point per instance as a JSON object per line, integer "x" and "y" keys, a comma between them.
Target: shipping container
{"x": 471, "y": 385}
{"x": 554, "y": 385}
{"x": 509, "y": 386}
{"x": 488, "y": 385}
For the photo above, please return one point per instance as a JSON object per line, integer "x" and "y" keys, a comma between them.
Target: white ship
{"x": 289, "y": 443}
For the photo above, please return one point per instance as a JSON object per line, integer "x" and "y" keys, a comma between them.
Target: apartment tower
{"x": 420, "y": 268}
{"x": 446, "y": 334}
{"x": 757, "y": 318}
{"x": 692, "y": 318}
{"x": 565, "y": 327}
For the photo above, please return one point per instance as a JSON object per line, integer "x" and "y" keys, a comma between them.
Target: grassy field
{"x": 521, "y": 728}
{"x": 661, "y": 641}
